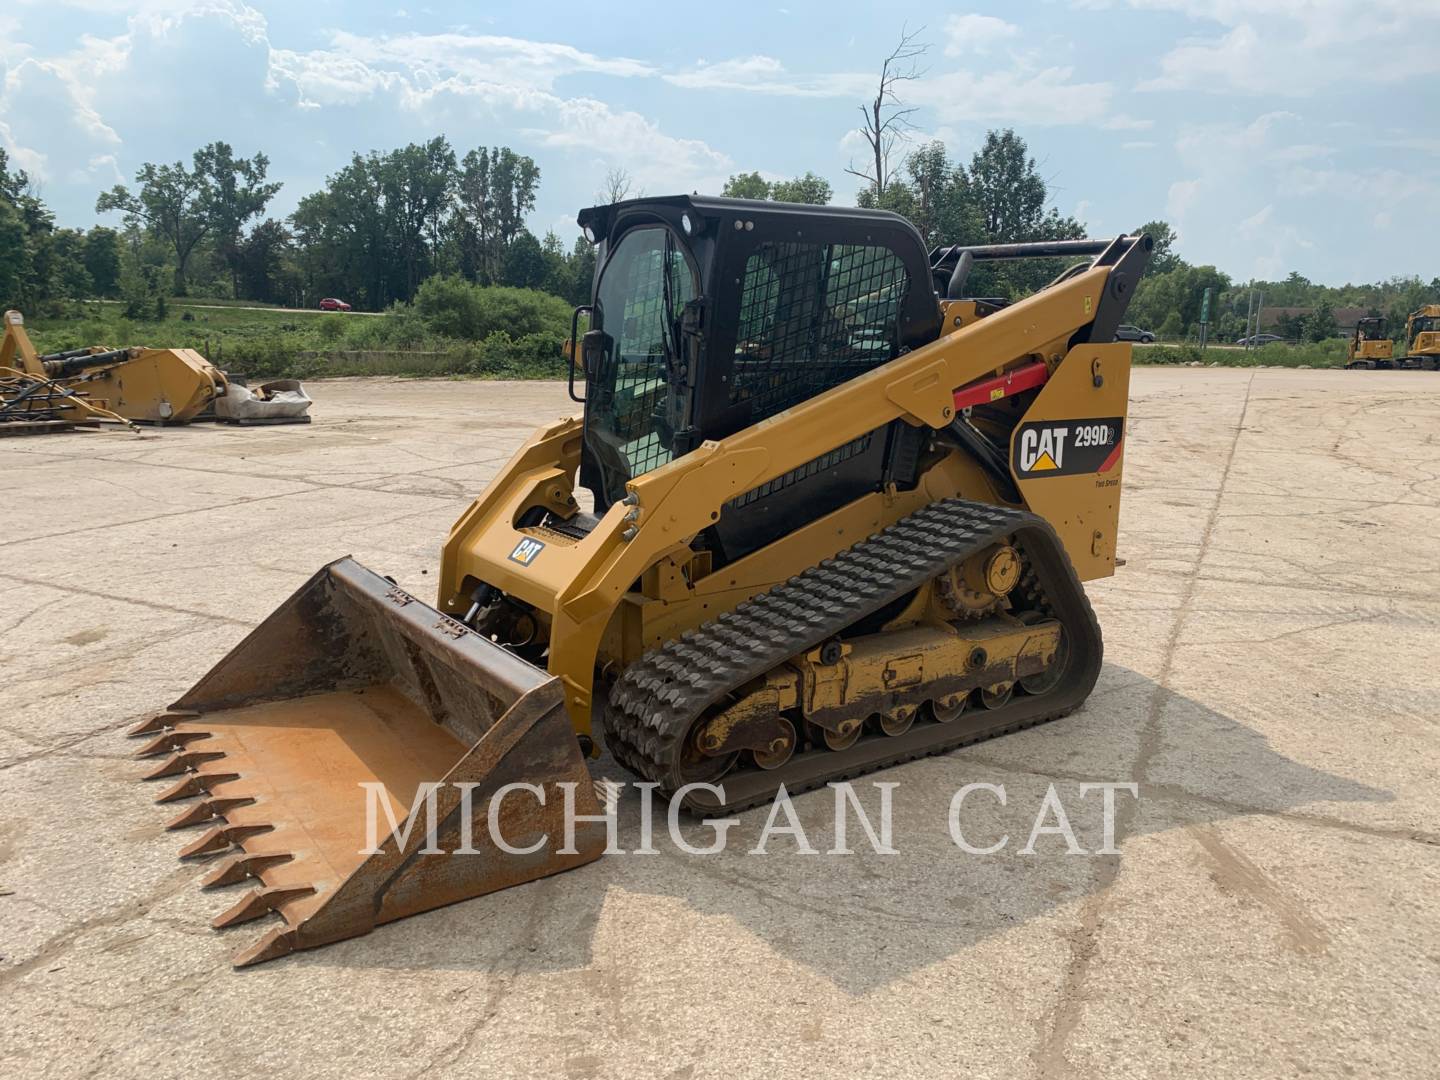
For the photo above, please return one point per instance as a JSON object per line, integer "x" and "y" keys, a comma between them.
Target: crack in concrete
{"x": 112, "y": 597}
{"x": 1049, "y": 1056}
{"x": 57, "y": 946}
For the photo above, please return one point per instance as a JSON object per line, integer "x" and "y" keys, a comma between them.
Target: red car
{"x": 331, "y": 304}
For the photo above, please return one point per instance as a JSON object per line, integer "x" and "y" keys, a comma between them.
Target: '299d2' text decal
{"x": 1067, "y": 447}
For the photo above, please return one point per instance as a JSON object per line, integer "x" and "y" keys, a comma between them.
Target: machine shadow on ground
{"x": 819, "y": 912}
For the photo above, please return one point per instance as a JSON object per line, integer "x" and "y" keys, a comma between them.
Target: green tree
{"x": 582, "y": 271}
{"x": 235, "y": 192}
{"x": 12, "y": 265}
{"x": 173, "y": 202}
{"x": 1164, "y": 258}
{"x": 495, "y": 190}
{"x": 102, "y": 260}
{"x": 1008, "y": 191}
{"x": 811, "y": 189}
{"x": 342, "y": 235}
{"x": 415, "y": 182}
{"x": 1321, "y": 324}
{"x": 525, "y": 265}
{"x": 749, "y": 185}
{"x": 1180, "y": 292}
{"x": 12, "y": 184}
{"x": 264, "y": 260}
{"x": 71, "y": 279}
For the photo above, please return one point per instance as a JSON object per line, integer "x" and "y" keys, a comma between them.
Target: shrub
{"x": 332, "y": 327}
{"x": 455, "y": 308}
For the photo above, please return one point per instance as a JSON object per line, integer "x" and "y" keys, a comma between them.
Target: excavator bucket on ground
{"x": 343, "y": 707}
{"x": 56, "y": 391}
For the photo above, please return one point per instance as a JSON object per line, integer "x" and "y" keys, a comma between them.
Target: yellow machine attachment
{"x": 154, "y": 386}
{"x": 1422, "y": 333}
{"x": 1368, "y": 346}
{"x": 839, "y": 515}
{"x": 299, "y": 749}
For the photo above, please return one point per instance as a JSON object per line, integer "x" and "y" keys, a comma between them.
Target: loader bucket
{"x": 354, "y": 682}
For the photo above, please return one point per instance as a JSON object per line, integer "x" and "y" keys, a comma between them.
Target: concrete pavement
{"x": 1271, "y": 685}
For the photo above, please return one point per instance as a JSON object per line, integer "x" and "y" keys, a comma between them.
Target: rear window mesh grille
{"x": 813, "y": 316}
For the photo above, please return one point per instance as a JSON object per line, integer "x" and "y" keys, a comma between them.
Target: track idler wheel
{"x": 949, "y": 709}
{"x": 780, "y": 751}
{"x": 696, "y": 766}
{"x": 1047, "y": 680}
{"x": 998, "y": 696}
{"x": 848, "y": 735}
{"x": 897, "y": 721}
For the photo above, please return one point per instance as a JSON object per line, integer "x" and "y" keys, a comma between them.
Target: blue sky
{"x": 1276, "y": 135}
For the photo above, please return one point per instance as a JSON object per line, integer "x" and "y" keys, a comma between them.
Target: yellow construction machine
{"x": 1368, "y": 346}
{"x": 1422, "y": 336}
{"x": 62, "y": 390}
{"x": 822, "y": 513}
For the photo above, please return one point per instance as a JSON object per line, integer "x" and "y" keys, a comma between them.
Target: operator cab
{"x": 711, "y": 314}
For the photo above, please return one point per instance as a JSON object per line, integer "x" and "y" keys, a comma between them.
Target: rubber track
{"x": 658, "y": 698}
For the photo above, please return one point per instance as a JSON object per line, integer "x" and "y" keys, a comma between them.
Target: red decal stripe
{"x": 1114, "y": 456}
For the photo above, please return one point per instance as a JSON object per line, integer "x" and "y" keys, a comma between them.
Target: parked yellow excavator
{"x": 1422, "y": 336}
{"x": 822, "y": 513}
{"x": 1369, "y": 347}
{"x": 60, "y": 391}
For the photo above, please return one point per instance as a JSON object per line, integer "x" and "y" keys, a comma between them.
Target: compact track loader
{"x": 132, "y": 385}
{"x": 822, "y": 513}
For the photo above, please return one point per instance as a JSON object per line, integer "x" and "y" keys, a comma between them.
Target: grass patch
{"x": 1321, "y": 354}
{"x": 307, "y": 345}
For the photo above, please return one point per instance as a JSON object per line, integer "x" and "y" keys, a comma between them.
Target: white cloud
{"x": 766, "y": 75}
{"x": 50, "y": 129}
{"x": 505, "y": 60}
{"x": 64, "y": 118}
{"x": 1021, "y": 93}
{"x": 1042, "y": 97}
{"x": 1138, "y": 145}
{"x": 1295, "y": 48}
{"x": 1180, "y": 198}
{"x": 1124, "y": 122}
{"x": 976, "y": 33}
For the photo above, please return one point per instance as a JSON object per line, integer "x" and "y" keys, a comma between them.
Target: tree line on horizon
{"x": 387, "y": 222}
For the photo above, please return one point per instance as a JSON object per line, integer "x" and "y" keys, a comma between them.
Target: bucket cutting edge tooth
{"x": 174, "y": 741}
{"x": 195, "y": 784}
{"x": 259, "y": 902}
{"x": 243, "y": 867}
{"x": 222, "y": 837}
{"x": 275, "y": 944}
{"x": 164, "y": 721}
{"x": 183, "y": 762}
{"x": 207, "y": 811}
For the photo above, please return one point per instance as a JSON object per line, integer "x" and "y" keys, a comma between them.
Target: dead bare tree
{"x": 887, "y": 117}
{"x": 618, "y": 185}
